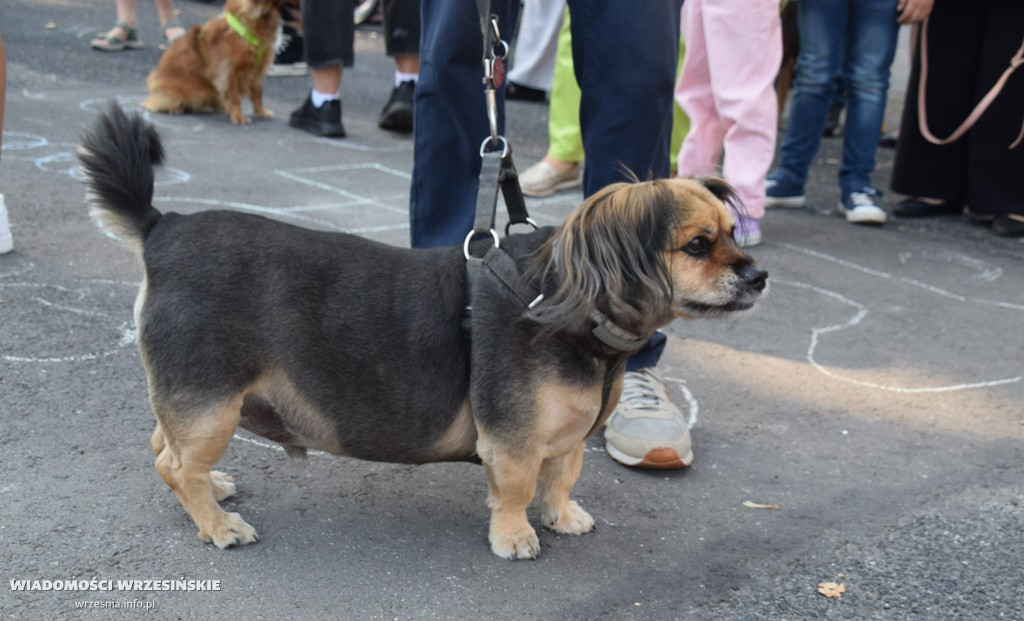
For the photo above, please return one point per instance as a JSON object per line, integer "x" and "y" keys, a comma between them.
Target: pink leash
{"x": 1017, "y": 60}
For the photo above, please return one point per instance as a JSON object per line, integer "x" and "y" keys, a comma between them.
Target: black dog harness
{"x": 498, "y": 174}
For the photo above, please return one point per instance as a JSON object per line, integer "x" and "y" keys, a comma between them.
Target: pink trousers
{"x": 727, "y": 88}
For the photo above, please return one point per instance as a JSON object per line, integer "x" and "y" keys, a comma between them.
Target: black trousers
{"x": 328, "y": 30}
{"x": 970, "y": 44}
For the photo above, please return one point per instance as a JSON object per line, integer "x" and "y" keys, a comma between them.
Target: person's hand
{"x": 912, "y": 11}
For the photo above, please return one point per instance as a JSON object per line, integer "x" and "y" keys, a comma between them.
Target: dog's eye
{"x": 698, "y": 247}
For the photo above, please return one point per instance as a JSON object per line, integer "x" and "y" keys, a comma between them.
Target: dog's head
{"x": 646, "y": 253}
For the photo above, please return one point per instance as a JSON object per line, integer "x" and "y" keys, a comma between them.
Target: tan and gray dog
{"x": 332, "y": 342}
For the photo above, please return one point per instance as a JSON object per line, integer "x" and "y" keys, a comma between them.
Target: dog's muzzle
{"x": 753, "y": 276}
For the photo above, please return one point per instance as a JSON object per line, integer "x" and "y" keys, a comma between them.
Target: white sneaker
{"x": 861, "y": 208}
{"x": 6, "y": 239}
{"x": 542, "y": 179}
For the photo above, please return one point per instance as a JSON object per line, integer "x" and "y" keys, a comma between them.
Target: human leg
{"x": 402, "y": 43}
{"x": 871, "y": 36}
{"x": 124, "y": 34}
{"x": 626, "y": 117}
{"x": 702, "y": 147}
{"x": 922, "y": 169}
{"x": 328, "y": 39}
{"x": 626, "y": 106}
{"x": 560, "y": 169}
{"x": 995, "y": 186}
{"x": 169, "y": 24}
{"x": 450, "y": 121}
{"x": 822, "y": 24}
{"x": 744, "y": 48}
{"x": 536, "y": 44}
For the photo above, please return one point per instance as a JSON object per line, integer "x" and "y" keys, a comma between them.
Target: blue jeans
{"x": 854, "y": 39}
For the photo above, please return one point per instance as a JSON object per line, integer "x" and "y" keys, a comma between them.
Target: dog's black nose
{"x": 753, "y": 276}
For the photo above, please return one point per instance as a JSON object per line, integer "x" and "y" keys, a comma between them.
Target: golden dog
{"x": 213, "y": 66}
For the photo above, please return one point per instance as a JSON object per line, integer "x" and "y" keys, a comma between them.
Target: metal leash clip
{"x": 494, "y": 73}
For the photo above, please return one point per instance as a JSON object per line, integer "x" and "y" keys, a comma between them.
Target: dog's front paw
{"x": 573, "y": 520}
{"x": 515, "y": 545}
{"x": 223, "y": 485}
{"x": 231, "y": 531}
{"x": 239, "y": 119}
{"x": 263, "y": 113}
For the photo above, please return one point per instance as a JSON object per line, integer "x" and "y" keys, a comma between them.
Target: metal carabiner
{"x": 469, "y": 238}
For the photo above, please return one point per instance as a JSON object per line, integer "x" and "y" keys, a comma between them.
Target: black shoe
{"x": 979, "y": 218}
{"x": 289, "y": 59}
{"x": 916, "y": 208}
{"x": 323, "y": 121}
{"x": 518, "y": 92}
{"x": 397, "y": 112}
{"x": 1011, "y": 225}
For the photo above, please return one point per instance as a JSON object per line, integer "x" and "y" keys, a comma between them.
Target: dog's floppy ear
{"x": 607, "y": 256}
{"x": 721, "y": 190}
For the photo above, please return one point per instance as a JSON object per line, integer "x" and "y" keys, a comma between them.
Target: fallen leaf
{"x": 50, "y": 26}
{"x": 756, "y": 505}
{"x": 834, "y": 590}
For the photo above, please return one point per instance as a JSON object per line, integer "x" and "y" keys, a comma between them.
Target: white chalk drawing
{"x": 59, "y": 157}
{"x": 692, "y": 407}
{"x": 819, "y": 333}
{"x": 35, "y": 297}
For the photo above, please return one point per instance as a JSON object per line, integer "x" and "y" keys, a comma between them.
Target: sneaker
{"x": 397, "y": 113}
{"x": 6, "y": 239}
{"x": 323, "y": 121}
{"x": 861, "y": 208}
{"x": 780, "y": 193}
{"x": 747, "y": 232}
{"x": 542, "y": 179}
{"x": 646, "y": 429}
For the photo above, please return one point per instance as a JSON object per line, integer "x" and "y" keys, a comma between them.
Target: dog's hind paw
{"x": 517, "y": 545}
{"x": 223, "y": 485}
{"x": 572, "y": 521}
{"x": 232, "y": 531}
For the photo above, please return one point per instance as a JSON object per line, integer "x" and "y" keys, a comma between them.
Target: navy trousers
{"x": 624, "y": 55}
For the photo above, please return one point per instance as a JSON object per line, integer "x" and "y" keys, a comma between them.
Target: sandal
{"x": 111, "y": 42}
{"x": 168, "y": 40}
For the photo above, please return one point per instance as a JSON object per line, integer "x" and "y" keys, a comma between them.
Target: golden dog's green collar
{"x": 243, "y": 32}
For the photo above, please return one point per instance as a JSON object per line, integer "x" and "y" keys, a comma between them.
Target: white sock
{"x": 319, "y": 99}
{"x": 405, "y": 77}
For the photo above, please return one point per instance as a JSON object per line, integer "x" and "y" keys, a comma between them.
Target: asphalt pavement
{"x": 864, "y": 426}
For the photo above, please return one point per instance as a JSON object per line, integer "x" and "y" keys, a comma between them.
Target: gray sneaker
{"x": 646, "y": 429}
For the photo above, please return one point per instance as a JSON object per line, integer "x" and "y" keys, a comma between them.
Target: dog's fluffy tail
{"x": 117, "y": 154}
